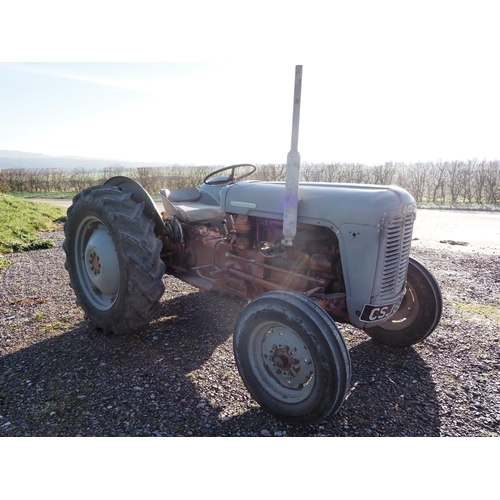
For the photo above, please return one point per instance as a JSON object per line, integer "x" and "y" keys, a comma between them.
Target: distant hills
{"x": 21, "y": 159}
{"x": 20, "y": 154}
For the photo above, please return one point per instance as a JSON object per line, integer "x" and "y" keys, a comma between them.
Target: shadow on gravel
{"x": 83, "y": 382}
{"x": 178, "y": 377}
{"x": 392, "y": 392}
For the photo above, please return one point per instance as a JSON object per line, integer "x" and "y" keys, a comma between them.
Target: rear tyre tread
{"x": 141, "y": 268}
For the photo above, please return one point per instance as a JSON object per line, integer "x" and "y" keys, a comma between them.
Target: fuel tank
{"x": 319, "y": 203}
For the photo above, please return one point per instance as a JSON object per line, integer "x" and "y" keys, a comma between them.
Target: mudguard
{"x": 364, "y": 218}
{"x": 128, "y": 185}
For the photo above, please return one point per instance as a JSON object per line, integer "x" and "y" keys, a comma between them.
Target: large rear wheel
{"x": 292, "y": 357}
{"x": 419, "y": 313}
{"x": 113, "y": 259}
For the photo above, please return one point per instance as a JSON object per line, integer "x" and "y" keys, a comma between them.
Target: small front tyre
{"x": 419, "y": 313}
{"x": 113, "y": 259}
{"x": 292, "y": 357}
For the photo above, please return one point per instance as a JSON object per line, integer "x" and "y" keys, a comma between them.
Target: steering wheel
{"x": 230, "y": 178}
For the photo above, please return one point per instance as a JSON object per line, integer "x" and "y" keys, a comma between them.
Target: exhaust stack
{"x": 291, "y": 198}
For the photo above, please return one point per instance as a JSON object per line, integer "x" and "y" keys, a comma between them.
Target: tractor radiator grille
{"x": 397, "y": 253}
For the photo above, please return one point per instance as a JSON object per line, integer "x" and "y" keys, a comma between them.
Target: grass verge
{"x": 20, "y": 223}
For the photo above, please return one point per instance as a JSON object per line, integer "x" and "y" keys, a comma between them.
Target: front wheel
{"x": 419, "y": 313}
{"x": 292, "y": 357}
{"x": 113, "y": 259}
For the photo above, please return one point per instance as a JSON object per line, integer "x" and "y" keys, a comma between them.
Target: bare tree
{"x": 145, "y": 177}
{"x": 113, "y": 170}
{"x": 383, "y": 174}
{"x": 480, "y": 174}
{"x": 416, "y": 179}
{"x": 492, "y": 182}
{"x": 439, "y": 179}
{"x": 455, "y": 171}
{"x": 271, "y": 172}
{"x": 331, "y": 172}
{"x": 468, "y": 181}
{"x": 81, "y": 178}
{"x": 195, "y": 175}
{"x": 310, "y": 172}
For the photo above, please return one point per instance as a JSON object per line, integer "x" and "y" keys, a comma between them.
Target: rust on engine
{"x": 244, "y": 232}
{"x": 245, "y": 256}
{"x": 334, "y": 304}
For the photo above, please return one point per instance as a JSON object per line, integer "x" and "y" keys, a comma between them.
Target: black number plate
{"x": 376, "y": 313}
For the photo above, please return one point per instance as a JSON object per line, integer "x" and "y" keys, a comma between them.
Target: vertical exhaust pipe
{"x": 291, "y": 198}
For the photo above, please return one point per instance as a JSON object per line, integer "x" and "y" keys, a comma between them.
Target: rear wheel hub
{"x": 101, "y": 262}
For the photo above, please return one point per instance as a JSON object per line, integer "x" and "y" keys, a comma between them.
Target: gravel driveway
{"x": 59, "y": 377}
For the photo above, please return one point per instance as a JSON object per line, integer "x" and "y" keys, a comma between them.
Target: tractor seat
{"x": 190, "y": 205}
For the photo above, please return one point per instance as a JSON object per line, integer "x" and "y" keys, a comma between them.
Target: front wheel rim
{"x": 97, "y": 263}
{"x": 407, "y": 313}
{"x": 282, "y": 362}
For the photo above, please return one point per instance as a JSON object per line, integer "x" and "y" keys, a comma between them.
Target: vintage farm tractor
{"x": 305, "y": 255}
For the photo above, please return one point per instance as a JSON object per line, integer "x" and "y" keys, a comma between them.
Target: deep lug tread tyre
{"x": 130, "y": 232}
{"x": 292, "y": 357}
{"x": 419, "y": 313}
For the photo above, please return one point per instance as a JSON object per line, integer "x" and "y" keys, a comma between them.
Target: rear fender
{"x": 140, "y": 195}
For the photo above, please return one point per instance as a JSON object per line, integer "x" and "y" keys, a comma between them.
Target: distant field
{"x": 52, "y": 195}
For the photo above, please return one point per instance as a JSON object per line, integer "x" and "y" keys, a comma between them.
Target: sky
{"x": 382, "y": 81}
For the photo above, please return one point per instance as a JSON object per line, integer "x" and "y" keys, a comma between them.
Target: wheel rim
{"x": 282, "y": 362}
{"x": 407, "y": 312}
{"x": 97, "y": 263}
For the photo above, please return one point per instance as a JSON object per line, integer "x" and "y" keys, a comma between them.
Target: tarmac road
{"x": 456, "y": 230}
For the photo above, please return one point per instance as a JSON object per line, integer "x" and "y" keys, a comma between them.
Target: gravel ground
{"x": 60, "y": 377}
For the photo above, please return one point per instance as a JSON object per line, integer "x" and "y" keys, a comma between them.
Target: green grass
{"x": 488, "y": 312}
{"x": 21, "y": 221}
